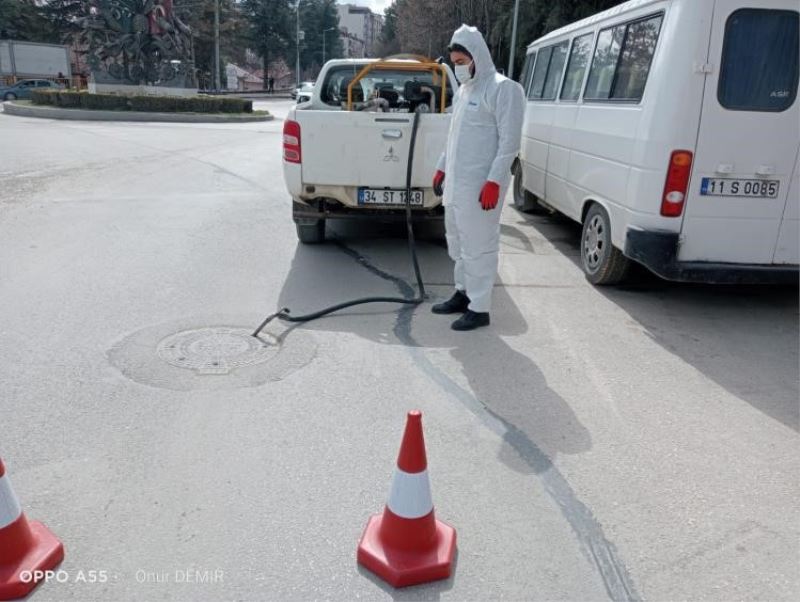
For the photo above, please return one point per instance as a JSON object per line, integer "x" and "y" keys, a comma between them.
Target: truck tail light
{"x": 678, "y": 173}
{"x": 291, "y": 142}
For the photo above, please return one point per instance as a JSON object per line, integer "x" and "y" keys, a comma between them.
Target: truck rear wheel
{"x": 311, "y": 234}
{"x": 602, "y": 262}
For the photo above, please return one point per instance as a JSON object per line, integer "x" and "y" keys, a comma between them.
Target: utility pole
{"x": 513, "y": 41}
{"x": 323, "y": 43}
{"x": 217, "y": 83}
{"x": 297, "y": 62}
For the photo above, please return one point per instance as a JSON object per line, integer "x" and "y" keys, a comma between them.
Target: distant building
{"x": 241, "y": 79}
{"x": 360, "y": 22}
{"x": 352, "y": 45}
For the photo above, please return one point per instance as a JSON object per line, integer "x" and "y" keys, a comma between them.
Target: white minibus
{"x": 670, "y": 129}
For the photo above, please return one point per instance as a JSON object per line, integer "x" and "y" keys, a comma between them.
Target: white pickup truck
{"x": 345, "y": 152}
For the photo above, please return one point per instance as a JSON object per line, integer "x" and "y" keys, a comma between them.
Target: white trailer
{"x": 30, "y": 60}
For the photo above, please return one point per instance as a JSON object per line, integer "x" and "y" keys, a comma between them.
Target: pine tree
{"x": 23, "y": 20}
{"x": 271, "y": 27}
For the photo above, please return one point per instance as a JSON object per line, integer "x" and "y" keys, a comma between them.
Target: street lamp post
{"x": 217, "y": 82}
{"x": 323, "y": 43}
{"x": 297, "y": 38}
{"x": 513, "y": 41}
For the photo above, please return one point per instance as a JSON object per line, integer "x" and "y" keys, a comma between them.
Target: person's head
{"x": 470, "y": 55}
{"x": 461, "y": 57}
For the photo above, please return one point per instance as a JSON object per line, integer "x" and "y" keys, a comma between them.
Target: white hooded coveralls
{"x": 484, "y": 140}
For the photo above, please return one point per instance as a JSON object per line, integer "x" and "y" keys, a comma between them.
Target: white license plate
{"x": 757, "y": 189}
{"x": 379, "y": 196}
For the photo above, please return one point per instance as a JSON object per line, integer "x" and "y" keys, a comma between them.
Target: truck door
{"x": 748, "y": 137}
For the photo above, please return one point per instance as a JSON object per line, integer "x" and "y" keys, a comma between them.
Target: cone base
{"x": 46, "y": 554}
{"x": 400, "y": 568}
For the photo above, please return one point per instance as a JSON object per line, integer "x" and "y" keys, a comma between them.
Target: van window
{"x": 547, "y": 72}
{"x": 622, "y": 60}
{"x": 637, "y": 54}
{"x": 553, "y": 79}
{"x": 527, "y": 72}
{"x": 759, "y": 67}
{"x": 578, "y": 59}
{"x": 539, "y": 73}
{"x": 606, "y": 55}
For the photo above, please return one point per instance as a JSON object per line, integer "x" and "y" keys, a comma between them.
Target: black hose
{"x": 285, "y": 313}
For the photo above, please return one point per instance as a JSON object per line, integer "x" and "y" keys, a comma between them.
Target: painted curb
{"x": 13, "y": 108}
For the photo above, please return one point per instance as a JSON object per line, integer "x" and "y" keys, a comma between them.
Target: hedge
{"x": 150, "y": 104}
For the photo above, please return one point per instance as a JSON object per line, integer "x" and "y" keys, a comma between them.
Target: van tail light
{"x": 291, "y": 142}
{"x": 678, "y": 173}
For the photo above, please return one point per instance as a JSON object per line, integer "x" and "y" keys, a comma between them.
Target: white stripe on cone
{"x": 410, "y": 496}
{"x": 9, "y": 505}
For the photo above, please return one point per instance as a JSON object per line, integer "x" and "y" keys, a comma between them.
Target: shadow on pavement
{"x": 505, "y": 390}
{"x": 539, "y": 424}
{"x": 744, "y": 338}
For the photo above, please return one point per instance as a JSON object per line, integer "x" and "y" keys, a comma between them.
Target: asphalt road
{"x": 627, "y": 443}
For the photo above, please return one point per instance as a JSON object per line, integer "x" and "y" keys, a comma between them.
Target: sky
{"x": 377, "y": 6}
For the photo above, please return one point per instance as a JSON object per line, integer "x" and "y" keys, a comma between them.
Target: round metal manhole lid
{"x": 216, "y": 350}
{"x": 210, "y": 353}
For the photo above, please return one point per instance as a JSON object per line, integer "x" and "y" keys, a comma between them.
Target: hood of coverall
{"x": 472, "y": 39}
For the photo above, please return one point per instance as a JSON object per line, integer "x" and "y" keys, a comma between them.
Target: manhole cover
{"x": 216, "y": 350}
{"x": 212, "y": 352}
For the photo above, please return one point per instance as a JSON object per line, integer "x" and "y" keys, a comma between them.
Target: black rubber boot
{"x": 471, "y": 320}
{"x": 454, "y": 305}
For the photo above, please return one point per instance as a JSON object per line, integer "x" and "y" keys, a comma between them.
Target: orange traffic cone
{"x": 406, "y": 545}
{"x": 27, "y": 549}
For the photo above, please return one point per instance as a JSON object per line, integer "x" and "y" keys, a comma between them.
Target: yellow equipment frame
{"x": 424, "y": 65}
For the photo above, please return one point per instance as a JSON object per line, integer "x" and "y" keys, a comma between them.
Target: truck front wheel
{"x": 311, "y": 234}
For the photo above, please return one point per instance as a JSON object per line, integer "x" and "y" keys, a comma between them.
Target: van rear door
{"x": 748, "y": 138}
{"x": 787, "y": 250}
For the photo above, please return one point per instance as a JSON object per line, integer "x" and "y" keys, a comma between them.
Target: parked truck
{"x": 345, "y": 151}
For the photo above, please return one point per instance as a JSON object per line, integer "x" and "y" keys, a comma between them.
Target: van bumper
{"x": 658, "y": 252}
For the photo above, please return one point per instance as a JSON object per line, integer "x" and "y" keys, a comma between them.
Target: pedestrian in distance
{"x": 474, "y": 173}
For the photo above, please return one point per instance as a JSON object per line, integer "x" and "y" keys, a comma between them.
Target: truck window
{"x": 622, "y": 60}
{"x": 759, "y": 67}
{"x": 388, "y": 83}
{"x": 547, "y": 72}
{"x": 578, "y": 59}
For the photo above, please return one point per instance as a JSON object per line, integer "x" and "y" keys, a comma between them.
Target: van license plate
{"x": 379, "y": 196}
{"x": 757, "y": 189}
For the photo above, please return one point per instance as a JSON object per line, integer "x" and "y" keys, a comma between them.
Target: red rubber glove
{"x": 438, "y": 183}
{"x": 490, "y": 195}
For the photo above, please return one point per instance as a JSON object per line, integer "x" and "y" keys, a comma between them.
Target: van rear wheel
{"x": 523, "y": 200}
{"x": 602, "y": 262}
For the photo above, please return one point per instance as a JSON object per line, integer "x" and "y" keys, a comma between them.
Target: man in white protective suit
{"x": 474, "y": 172}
